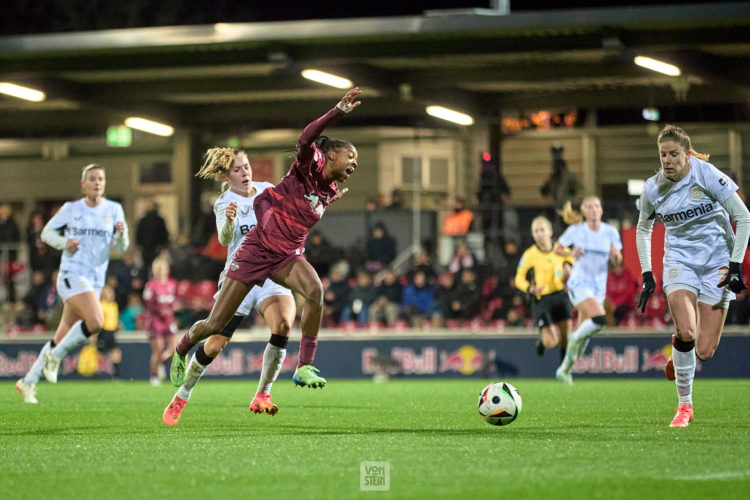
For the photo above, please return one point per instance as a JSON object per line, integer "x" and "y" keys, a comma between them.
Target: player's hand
{"x": 72, "y": 245}
{"x": 577, "y": 252}
{"x": 231, "y": 211}
{"x": 120, "y": 227}
{"x": 615, "y": 255}
{"x": 733, "y": 278}
{"x": 347, "y": 103}
{"x": 649, "y": 285}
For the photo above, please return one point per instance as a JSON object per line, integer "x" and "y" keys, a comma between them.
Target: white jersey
{"x": 698, "y": 230}
{"x": 590, "y": 269}
{"x": 243, "y": 223}
{"x": 94, "y": 227}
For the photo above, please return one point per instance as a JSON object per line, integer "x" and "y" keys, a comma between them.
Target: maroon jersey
{"x": 286, "y": 213}
{"x": 159, "y": 300}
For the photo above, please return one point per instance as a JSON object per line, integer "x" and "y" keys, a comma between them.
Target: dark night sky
{"x": 49, "y": 16}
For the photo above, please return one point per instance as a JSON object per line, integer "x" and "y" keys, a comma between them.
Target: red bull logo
{"x": 465, "y": 360}
{"x": 606, "y": 360}
{"x": 655, "y": 360}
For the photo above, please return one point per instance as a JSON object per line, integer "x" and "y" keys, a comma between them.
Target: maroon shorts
{"x": 159, "y": 329}
{"x": 253, "y": 263}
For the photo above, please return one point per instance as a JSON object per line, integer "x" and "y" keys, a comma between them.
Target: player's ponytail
{"x": 678, "y": 135}
{"x": 570, "y": 216}
{"x": 218, "y": 161}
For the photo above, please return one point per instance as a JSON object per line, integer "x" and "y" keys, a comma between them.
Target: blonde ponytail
{"x": 218, "y": 161}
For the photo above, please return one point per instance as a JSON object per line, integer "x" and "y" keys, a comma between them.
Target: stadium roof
{"x": 226, "y": 78}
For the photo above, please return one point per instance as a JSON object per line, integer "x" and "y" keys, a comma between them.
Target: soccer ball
{"x": 499, "y": 403}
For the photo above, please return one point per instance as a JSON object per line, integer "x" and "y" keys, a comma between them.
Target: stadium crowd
{"x": 362, "y": 289}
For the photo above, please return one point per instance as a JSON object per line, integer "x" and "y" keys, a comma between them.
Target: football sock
{"x": 683, "y": 357}
{"x": 307, "y": 346}
{"x": 116, "y": 369}
{"x": 75, "y": 337}
{"x": 579, "y": 340}
{"x": 184, "y": 346}
{"x": 197, "y": 366}
{"x": 35, "y": 373}
{"x": 273, "y": 358}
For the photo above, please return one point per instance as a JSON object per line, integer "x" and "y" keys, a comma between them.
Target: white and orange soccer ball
{"x": 499, "y": 403}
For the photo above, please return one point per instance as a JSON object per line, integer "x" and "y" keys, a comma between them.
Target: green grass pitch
{"x": 598, "y": 439}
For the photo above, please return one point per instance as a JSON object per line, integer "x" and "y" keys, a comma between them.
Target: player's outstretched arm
{"x": 314, "y": 129}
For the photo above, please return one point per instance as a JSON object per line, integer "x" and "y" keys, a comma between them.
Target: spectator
{"x": 10, "y": 237}
{"x": 458, "y": 222}
{"x": 151, "y": 234}
{"x": 468, "y": 301}
{"x": 422, "y": 262}
{"x": 622, "y": 289}
{"x": 320, "y": 253}
{"x": 130, "y": 316}
{"x": 336, "y": 295}
{"x": 561, "y": 186}
{"x": 418, "y": 299}
{"x": 381, "y": 248}
{"x": 361, "y": 297}
{"x": 42, "y": 257}
{"x": 34, "y": 299}
{"x": 445, "y": 295}
{"x": 390, "y": 293}
{"x": 508, "y": 264}
{"x": 462, "y": 259}
{"x": 183, "y": 258}
{"x": 397, "y": 200}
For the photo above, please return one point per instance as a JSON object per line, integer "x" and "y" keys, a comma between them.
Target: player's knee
{"x": 315, "y": 296}
{"x": 282, "y": 327}
{"x": 92, "y": 326}
{"x": 705, "y": 353}
{"x": 599, "y": 320}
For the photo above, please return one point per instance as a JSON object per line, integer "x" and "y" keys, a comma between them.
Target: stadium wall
{"x": 414, "y": 355}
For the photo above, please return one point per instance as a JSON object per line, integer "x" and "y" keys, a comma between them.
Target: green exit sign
{"x": 120, "y": 136}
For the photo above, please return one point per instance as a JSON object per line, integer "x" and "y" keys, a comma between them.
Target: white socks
{"x": 577, "y": 342}
{"x": 35, "y": 373}
{"x": 72, "y": 339}
{"x": 193, "y": 373}
{"x": 684, "y": 371}
{"x": 273, "y": 357}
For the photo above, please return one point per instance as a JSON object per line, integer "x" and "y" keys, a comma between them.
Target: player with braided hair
{"x": 274, "y": 247}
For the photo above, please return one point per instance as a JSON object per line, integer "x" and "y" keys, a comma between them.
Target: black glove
{"x": 649, "y": 285}
{"x": 733, "y": 278}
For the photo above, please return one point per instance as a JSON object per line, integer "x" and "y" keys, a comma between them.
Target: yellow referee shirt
{"x": 548, "y": 270}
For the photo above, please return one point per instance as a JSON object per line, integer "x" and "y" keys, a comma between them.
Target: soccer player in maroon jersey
{"x": 274, "y": 248}
{"x": 159, "y": 297}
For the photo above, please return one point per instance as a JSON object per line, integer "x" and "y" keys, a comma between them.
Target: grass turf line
{"x": 597, "y": 439}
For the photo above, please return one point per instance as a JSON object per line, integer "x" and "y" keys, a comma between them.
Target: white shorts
{"x": 69, "y": 285}
{"x": 702, "y": 281}
{"x": 258, "y": 294}
{"x": 579, "y": 293}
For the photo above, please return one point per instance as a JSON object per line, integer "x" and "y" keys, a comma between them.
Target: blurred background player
{"x": 594, "y": 243}
{"x": 274, "y": 249}
{"x": 159, "y": 299}
{"x": 234, "y": 219}
{"x": 550, "y": 307}
{"x": 84, "y": 229}
{"x": 702, "y": 257}
{"x": 106, "y": 343}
